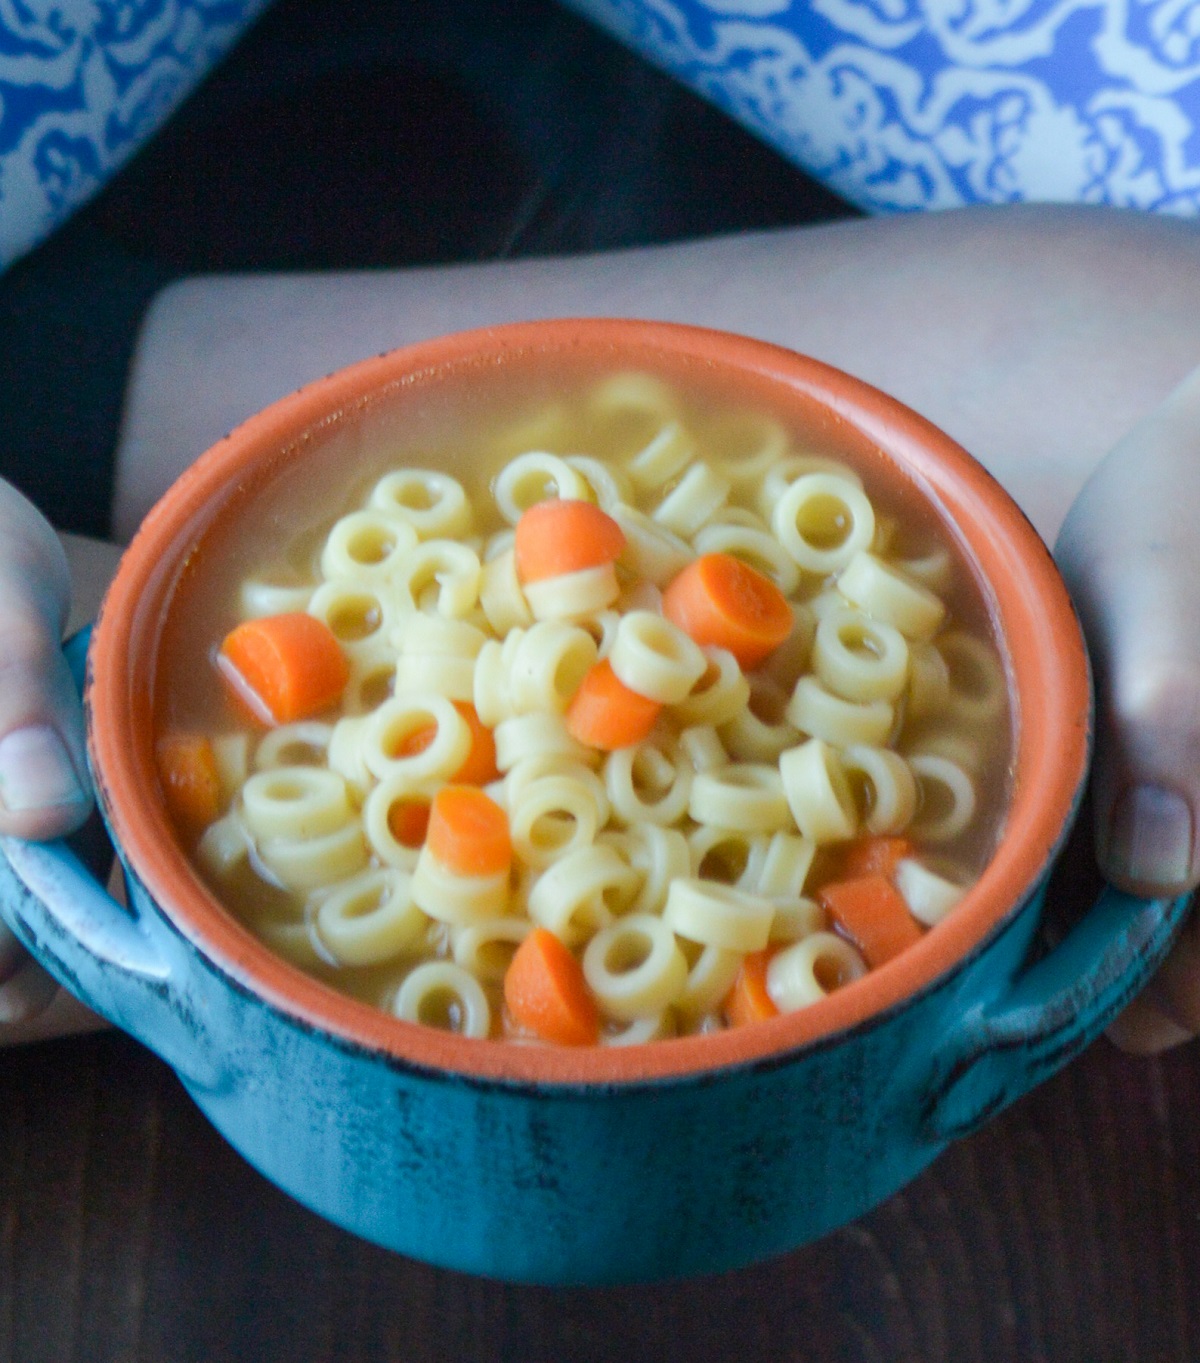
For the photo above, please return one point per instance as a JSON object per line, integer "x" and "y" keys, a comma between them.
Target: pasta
{"x": 869, "y": 736}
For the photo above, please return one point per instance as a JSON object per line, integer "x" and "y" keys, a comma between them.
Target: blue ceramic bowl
{"x": 595, "y": 1164}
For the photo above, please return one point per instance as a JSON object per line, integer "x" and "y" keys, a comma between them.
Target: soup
{"x": 607, "y": 711}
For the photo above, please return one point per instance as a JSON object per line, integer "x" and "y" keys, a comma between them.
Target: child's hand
{"x": 1130, "y": 552}
{"x": 43, "y": 777}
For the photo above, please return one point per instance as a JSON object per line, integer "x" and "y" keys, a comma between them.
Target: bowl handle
{"x": 124, "y": 966}
{"x": 1004, "y": 1047}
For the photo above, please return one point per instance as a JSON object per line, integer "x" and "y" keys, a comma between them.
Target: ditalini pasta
{"x": 629, "y": 715}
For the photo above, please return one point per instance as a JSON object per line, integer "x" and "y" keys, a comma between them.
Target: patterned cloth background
{"x": 911, "y": 104}
{"x": 895, "y": 104}
{"x": 82, "y": 84}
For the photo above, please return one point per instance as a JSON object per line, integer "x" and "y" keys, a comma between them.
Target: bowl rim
{"x": 1047, "y": 661}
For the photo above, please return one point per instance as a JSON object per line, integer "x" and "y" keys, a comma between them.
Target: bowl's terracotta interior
{"x": 1048, "y": 672}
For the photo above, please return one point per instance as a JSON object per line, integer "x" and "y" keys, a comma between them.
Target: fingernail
{"x": 1150, "y": 838}
{"x": 35, "y": 771}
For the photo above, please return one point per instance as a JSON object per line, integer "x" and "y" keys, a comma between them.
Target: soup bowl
{"x": 593, "y": 1164}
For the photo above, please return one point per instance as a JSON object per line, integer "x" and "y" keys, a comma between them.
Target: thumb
{"x": 1130, "y": 553}
{"x": 43, "y": 774}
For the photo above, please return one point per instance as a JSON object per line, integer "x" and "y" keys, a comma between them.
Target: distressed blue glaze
{"x": 563, "y": 1184}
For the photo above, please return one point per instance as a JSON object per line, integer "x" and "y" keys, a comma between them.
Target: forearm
{"x": 1035, "y": 336}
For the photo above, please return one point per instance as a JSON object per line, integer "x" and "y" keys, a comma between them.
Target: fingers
{"x": 44, "y": 789}
{"x": 1130, "y": 553}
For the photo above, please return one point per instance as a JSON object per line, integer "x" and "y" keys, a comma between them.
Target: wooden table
{"x": 1069, "y": 1229}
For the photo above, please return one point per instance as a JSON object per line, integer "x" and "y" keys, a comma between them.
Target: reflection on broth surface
{"x": 608, "y": 708}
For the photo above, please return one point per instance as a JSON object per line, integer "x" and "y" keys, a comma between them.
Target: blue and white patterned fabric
{"x": 915, "y": 104}
{"x": 82, "y": 84}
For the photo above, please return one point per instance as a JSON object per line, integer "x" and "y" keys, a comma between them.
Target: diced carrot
{"x": 408, "y": 821}
{"x": 872, "y": 913}
{"x": 187, "y": 768}
{"x": 748, "y": 1000}
{"x": 720, "y": 601}
{"x": 468, "y": 832}
{"x": 559, "y": 536}
{"x": 606, "y": 714}
{"x": 873, "y": 856}
{"x": 284, "y": 667}
{"x": 479, "y": 765}
{"x": 545, "y": 991}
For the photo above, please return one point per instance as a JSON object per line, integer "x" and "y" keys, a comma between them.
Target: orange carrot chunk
{"x": 748, "y": 1000}
{"x": 872, "y": 913}
{"x": 545, "y": 992}
{"x": 187, "y": 769}
{"x": 873, "y": 856}
{"x": 720, "y": 601}
{"x": 604, "y": 713}
{"x": 479, "y": 765}
{"x": 468, "y": 832}
{"x": 408, "y": 821}
{"x": 564, "y": 536}
{"x": 284, "y": 667}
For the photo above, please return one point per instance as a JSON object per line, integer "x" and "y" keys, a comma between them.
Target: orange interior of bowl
{"x": 1045, "y": 653}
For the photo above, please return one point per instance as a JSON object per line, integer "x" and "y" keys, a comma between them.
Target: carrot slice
{"x": 545, "y": 991}
{"x": 872, "y": 913}
{"x": 408, "y": 821}
{"x": 720, "y": 601}
{"x": 564, "y": 536}
{"x": 873, "y": 856}
{"x": 479, "y": 765}
{"x": 187, "y": 769}
{"x": 284, "y": 667}
{"x": 748, "y": 1000}
{"x": 468, "y": 832}
{"x": 604, "y": 713}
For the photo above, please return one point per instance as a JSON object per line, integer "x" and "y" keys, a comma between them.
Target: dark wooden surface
{"x": 1068, "y": 1229}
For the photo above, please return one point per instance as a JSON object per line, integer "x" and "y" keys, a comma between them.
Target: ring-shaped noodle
{"x": 552, "y": 816}
{"x": 485, "y": 949}
{"x": 573, "y": 596}
{"x": 818, "y": 792}
{"x": 314, "y": 863}
{"x": 710, "y": 977}
{"x": 796, "y": 918}
{"x": 745, "y": 796}
{"x": 887, "y": 595}
{"x": 358, "y": 611}
{"x": 370, "y": 918}
{"x": 928, "y": 690}
{"x": 457, "y": 899}
{"x": 603, "y": 628}
{"x": 727, "y": 856}
{"x": 810, "y": 969}
{"x": 224, "y": 846}
{"x": 702, "y": 746}
{"x": 634, "y": 967}
{"x": 756, "y": 547}
{"x": 718, "y": 915}
{"x": 303, "y": 744}
{"x": 822, "y": 521}
{"x": 581, "y": 892}
{"x": 372, "y": 678}
{"x": 888, "y": 789}
{"x": 641, "y": 1030}
{"x": 378, "y": 825}
{"x": 929, "y": 896}
{"x": 785, "y": 867}
{"x": 697, "y": 496}
{"x": 781, "y": 475}
{"x": 721, "y": 692}
{"x": 932, "y": 568}
{"x": 650, "y": 781}
{"x": 345, "y": 753}
{"x": 745, "y": 445}
{"x": 399, "y": 720}
{"x": 858, "y": 658}
{"x": 501, "y": 596}
{"x": 663, "y": 457}
{"x": 257, "y": 599}
{"x": 820, "y": 714}
{"x": 546, "y": 666}
{"x": 658, "y": 855}
{"x": 608, "y": 484}
{"x": 293, "y": 940}
{"x": 946, "y": 798}
{"x": 536, "y": 476}
{"x": 760, "y": 731}
{"x": 442, "y": 994}
{"x": 978, "y": 693}
{"x": 539, "y": 765}
{"x": 294, "y": 802}
{"x": 439, "y": 575}
{"x": 656, "y": 658}
{"x": 652, "y": 552}
{"x": 366, "y": 545}
{"x": 434, "y": 504}
{"x": 539, "y": 734}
